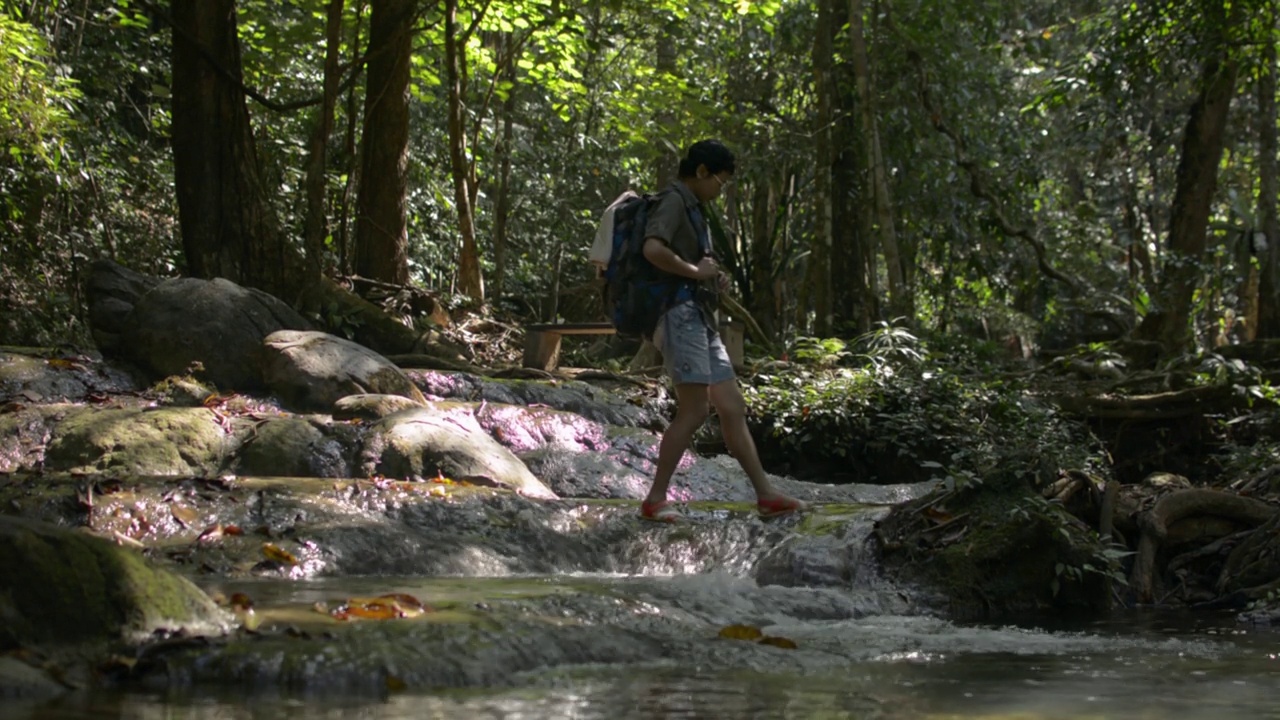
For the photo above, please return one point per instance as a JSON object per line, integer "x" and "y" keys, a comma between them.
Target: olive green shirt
{"x": 670, "y": 220}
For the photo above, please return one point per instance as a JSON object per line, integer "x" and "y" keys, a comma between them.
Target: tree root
{"x": 1183, "y": 504}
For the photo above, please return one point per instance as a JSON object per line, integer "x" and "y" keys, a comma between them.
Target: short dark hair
{"x": 711, "y": 153}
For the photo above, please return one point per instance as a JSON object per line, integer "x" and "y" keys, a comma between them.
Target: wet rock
{"x": 371, "y": 407}
{"x": 60, "y": 587}
{"x": 20, "y": 681}
{"x": 589, "y": 401}
{"x": 445, "y": 438}
{"x": 313, "y": 370}
{"x": 216, "y": 323}
{"x": 292, "y": 447}
{"x": 25, "y": 433}
{"x": 41, "y": 376}
{"x": 136, "y": 441}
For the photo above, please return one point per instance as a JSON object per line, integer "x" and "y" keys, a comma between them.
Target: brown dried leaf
{"x": 211, "y": 534}
{"x": 778, "y": 642}
{"x": 185, "y": 516}
{"x": 741, "y": 632}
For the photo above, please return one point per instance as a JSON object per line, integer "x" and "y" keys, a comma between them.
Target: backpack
{"x": 634, "y": 292}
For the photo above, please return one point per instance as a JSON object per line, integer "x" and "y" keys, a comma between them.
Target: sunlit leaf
{"x": 183, "y": 514}
{"x": 274, "y": 552}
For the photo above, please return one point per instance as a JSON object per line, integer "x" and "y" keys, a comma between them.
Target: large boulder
{"x": 136, "y": 441}
{"x": 113, "y": 291}
{"x": 181, "y": 321}
{"x": 310, "y": 371}
{"x": 60, "y": 587}
{"x": 445, "y": 439}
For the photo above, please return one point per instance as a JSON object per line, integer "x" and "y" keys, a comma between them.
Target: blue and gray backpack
{"x": 635, "y": 293}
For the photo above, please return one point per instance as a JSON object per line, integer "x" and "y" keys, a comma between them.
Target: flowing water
{"x": 852, "y": 659}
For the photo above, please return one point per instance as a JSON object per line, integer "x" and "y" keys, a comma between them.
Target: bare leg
{"x": 691, "y": 412}
{"x": 732, "y": 409}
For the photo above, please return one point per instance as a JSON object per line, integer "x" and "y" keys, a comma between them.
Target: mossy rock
{"x": 61, "y": 587}
{"x": 996, "y": 550}
{"x": 159, "y": 441}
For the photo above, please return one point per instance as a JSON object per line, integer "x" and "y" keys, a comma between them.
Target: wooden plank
{"x": 732, "y": 334}
{"x": 541, "y": 350}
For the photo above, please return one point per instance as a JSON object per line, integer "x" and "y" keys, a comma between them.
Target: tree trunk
{"x": 351, "y": 158}
{"x": 502, "y": 204}
{"x": 852, "y": 299}
{"x": 819, "y": 275}
{"x": 762, "y": 299}
{"x": 382, "y": 247}
{"x": 1196, "y": 181}
{"x": 900, "y": 303}
{"x": 470, "y": 281}
{"x": 228, "y": 226}
{"x": 665, "y": 64}
{"x": 1268, "y": 322}
{"x": 316, "y": 224}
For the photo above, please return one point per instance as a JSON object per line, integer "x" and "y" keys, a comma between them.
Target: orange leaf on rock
{"x": 741, "y": 632}
{"x": 778, "y": 642}
{"x": 406, "y": 602}
{"x": 275, "y": 552}
{"x": 373, "y": 609}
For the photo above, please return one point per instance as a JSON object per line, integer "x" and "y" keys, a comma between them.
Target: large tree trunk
{"x": 228, "y": 226}
{"x": 1268, "y": 322}
{"x": 819, "y": 270}
{"x": 853, "y": 300}
{"x": 382, "y": 248}
{"x": 1193, "y": 193}
{"x": 900, "y": 302}
{"x": 470, "y": 280}
{"x": 316, "y": 224}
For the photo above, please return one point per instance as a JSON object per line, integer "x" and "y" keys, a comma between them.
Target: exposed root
{"x": 1183, "y": 504}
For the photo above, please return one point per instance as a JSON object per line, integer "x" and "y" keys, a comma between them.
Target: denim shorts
{"x": 691, "y": 348}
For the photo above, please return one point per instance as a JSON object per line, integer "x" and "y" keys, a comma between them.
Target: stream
{"x": 659, "y": 655}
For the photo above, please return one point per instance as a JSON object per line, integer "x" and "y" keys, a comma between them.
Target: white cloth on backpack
{"x": 602, "y": 247}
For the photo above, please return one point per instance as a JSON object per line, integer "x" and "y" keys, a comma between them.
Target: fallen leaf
{"x": 274, "y": 552}
{"x": 233, "y": 530}
{"x": 741, "y": 632}
{"x": 937, "y": 515}
{"x": 242, "y": 601}
{"x": 438, "y": 491}
{"x": 211, "y": 534}
{"x": 407, "y": 601}
{"x": 395, "y": 684}
{"x": 183, "y": 514}
{"x": 779, "y": 642}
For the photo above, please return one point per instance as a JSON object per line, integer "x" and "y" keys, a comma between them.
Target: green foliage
{"x": 910, "y": 421}
{"x": 35, "y": 97}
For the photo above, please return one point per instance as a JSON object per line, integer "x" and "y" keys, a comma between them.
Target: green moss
{"x": 59, "y": 586}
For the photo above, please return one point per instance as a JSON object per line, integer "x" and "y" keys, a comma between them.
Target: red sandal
{"x": 781, "y": 505}
{"x": 660, "y": 512}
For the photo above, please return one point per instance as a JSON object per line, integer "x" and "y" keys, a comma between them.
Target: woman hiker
{"x": 678, "y": 243}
